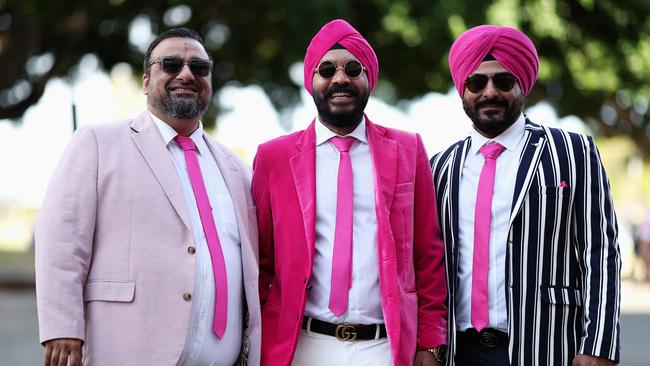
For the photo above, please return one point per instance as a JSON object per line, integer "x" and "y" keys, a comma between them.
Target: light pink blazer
{"x": 411, "y": 252}
{"x": 112, "y": 238}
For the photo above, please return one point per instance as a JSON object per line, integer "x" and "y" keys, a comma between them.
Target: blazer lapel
{"x": 455, "y": 170}
{"x": 384, "y": 160}
{"x": 303, "y": 169}
{"x": 150, "y": 143}
{"x": 535, "y": 140}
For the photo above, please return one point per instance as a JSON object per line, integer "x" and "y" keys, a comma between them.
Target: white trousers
{"x": 322, "y": 350}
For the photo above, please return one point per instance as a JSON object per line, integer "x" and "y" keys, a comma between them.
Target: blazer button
{"x": 187, "y": 296}
{"x": 191, "y": 249}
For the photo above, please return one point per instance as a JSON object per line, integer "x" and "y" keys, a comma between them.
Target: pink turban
{"x": 341, "y": 32}
{"x": 513, "y": 49}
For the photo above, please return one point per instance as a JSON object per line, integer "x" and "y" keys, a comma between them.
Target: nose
{"x": 340, "y": 77}
{"x": 185, "y": 73}
{"x": 490, "y": 90}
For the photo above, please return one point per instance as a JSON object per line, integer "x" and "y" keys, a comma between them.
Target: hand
{"x": 425, "y": 358}
{"x": 58, "y": 350}
{"x": 587, "y": 360}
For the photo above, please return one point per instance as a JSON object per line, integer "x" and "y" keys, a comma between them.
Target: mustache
{"x": 500, "y": 102}
{"x": 341, "y": 88}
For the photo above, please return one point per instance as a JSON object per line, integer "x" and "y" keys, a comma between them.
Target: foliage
{"x": 595, "y": 54}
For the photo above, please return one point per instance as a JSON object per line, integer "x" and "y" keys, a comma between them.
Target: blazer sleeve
{"x": 428, "y": 257}
{"x": 595, "y": 235}
{"x": 64, "y": 240}
{"x": 261, "y": 198}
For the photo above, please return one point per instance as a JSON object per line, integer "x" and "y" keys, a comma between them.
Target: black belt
{"x": 345, "y": 332}
{"x": 488, "y": 337}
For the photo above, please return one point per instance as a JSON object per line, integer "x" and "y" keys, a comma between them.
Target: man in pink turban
{"x": 528, "y": 220}
{"x": 351, "y": 258}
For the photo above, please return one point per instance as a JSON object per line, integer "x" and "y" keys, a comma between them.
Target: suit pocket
{"x": 550, "y": 190}
{"x": 116, "y": 291}
{"x": 560, "y": 295}
{"x": 553, "y": 205}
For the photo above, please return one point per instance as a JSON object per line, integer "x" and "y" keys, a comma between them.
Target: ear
{"x": 145, "y": 83}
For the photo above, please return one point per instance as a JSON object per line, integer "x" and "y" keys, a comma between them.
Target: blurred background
{"x": 64, "y": 64}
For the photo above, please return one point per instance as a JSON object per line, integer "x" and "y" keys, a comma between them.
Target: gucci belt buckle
{"x": 488, "y": 339}
{"x": 346, "y": 332}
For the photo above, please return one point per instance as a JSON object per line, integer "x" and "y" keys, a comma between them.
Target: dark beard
{"x": 341, "y": 119}
{"x": 493, "y": 126}
{"x": 180, "y": 107}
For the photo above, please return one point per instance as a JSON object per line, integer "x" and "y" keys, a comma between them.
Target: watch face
{"x": 441, "y": 353}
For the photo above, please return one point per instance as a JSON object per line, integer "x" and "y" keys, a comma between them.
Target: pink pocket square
{"x": 563, "y": 184}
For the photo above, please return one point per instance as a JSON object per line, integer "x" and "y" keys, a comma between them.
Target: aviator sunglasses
{"x": 503, "y": 81}
{"x": 327, "y": 69}
{"x": 173, "y": 65}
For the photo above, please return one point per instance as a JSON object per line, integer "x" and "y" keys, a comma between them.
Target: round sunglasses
{"x": 503, "y": 81}
{"x": 327, "y": 69}
{"x": 173, "y": 65}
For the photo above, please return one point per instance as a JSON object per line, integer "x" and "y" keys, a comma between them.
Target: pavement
{"x": 635, "y": 323}
{"x": 19, "y": 327}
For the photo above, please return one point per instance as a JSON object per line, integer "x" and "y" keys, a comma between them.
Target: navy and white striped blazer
{"x": 562, "y": 261}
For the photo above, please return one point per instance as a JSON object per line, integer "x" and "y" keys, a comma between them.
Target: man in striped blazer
{"x": 528, "y": 222}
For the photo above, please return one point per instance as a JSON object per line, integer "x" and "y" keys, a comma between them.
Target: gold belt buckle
{"x": 346, "y": 332}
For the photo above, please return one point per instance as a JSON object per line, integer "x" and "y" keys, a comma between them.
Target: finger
{"x": 75, "y": 356}
{"x": 63, "y": 357}
{"x": 48, "y": 353}
{"x": 54, "y": 356}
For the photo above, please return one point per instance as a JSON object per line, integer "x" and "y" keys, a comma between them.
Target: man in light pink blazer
{"x": 394, "y": 309}
{"x": 123, "y": 270}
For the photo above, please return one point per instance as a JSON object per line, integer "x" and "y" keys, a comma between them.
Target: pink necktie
{"x": 342, "y": 257}
{"x": 482, "y": 220}
{"x": 210, "y": 231}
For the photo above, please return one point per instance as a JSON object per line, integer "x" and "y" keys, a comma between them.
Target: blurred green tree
{"x": 595, "y": 54}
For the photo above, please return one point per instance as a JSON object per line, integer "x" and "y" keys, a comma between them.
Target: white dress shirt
{"x": 364, "y": 300}
{"x": 202, "y": 346}
{"x": 506, "y": 171}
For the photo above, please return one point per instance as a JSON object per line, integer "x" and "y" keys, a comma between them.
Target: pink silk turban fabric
{"x": 341, "y": 32}
{"x": 513, "y": 49}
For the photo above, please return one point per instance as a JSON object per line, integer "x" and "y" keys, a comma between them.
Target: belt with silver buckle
{"x": 345, "y": 331}
{"x": 488, "y": 337}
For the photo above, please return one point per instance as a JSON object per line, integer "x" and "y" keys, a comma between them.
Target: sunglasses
{"x": 503, "y": 81}
{"x": 173, "y": 65}
{"x": 328, "y": 69}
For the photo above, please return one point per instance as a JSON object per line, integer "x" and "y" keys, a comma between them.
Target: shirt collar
{"x": 323, "y": 134}
{"x": 168, "y": 134}
{"x": 509, "y": 138}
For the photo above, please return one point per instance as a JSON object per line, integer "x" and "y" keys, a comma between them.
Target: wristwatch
{"x": 439, "y": 353}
